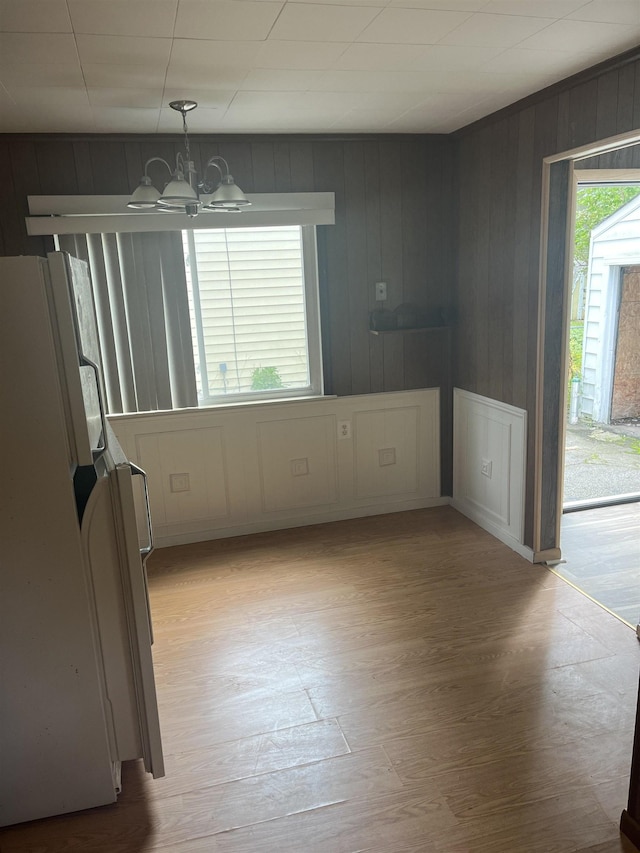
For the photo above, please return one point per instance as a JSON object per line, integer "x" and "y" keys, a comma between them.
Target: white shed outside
{"x": 615, "y": 244}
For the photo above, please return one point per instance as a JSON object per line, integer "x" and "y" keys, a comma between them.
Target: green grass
{"x": 576, "y": 333}
{"x": 634, "y": 445}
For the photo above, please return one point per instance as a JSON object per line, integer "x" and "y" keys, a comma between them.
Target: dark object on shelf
{"x": 382, "y": 320}
{"x": 410, "y": 316}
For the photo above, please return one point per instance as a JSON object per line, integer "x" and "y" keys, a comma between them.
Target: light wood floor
{"x": 601, "y": 549}
{"x": 400, "y": 684}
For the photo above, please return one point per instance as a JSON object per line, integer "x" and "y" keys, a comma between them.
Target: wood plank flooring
{"x": 601, "y": 549}
{"x": 399, "y": 684}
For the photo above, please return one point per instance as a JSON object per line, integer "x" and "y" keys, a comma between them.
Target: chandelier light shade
{"x": 181, "y": 192}
{"x": 228, "y": 195}
{"x": 178, "y": 192}
{"x": 145, "y": 196}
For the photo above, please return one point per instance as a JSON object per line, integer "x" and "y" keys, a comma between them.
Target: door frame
{"x": 559, "y": 184}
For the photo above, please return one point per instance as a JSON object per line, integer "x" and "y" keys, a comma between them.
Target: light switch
{"x": 381, "y": 291}
{"x": 485, "y": 467}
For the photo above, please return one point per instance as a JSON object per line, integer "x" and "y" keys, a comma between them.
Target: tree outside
{"x": 594, "y": 205}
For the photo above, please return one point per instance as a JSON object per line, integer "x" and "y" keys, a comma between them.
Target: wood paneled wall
{"x": 397, "y": 199}
{"x": 499, "y": 164}
{"x": 394, "y": 203}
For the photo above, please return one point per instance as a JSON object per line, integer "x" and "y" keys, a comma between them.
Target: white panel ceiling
{"x": 269, "y": 66}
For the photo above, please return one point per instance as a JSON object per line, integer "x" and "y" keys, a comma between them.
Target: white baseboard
{"x": 494, "y": 529}
{"x": 165, "y": 541}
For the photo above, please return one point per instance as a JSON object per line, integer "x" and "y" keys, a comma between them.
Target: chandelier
{"x": 181, "y": 193}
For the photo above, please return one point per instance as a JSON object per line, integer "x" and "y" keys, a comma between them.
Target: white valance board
{"x": 75, "y": 214}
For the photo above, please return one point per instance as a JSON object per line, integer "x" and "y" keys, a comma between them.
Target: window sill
{"x": 236, "y": 404}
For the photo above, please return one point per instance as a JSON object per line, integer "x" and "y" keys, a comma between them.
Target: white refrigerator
{"x": 77, "y": 690}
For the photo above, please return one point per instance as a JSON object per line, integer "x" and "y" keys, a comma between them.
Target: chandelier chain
{"x": 186, "y": 135}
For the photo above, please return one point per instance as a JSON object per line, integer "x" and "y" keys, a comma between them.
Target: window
{"x": 203, "y": 316}
{"x": 253, "y": 300}
{"x": 199, "y": 317}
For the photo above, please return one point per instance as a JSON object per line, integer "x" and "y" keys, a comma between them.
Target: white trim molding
{"x": 86, "y": 214}
{"x": 489, "y": 453}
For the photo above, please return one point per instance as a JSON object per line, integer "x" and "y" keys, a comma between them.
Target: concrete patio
{"x": 601, "y": 460}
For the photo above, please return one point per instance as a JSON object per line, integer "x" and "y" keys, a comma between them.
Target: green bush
{"x": 266, "y": 378}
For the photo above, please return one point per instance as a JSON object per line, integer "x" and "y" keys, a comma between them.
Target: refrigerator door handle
{"x": 100, "y": 449}
{"x": 135, "y": 471}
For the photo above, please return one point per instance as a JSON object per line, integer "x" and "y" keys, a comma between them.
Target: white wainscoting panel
{"x": 227, "y": 470}
{"x": 489, "y": 447}
{"x": 387, "y": 451}
{"x": 195, "y": 457}
{"x": 297, "y": 460}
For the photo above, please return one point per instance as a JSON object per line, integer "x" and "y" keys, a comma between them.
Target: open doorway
{"x": 601, "y": 484}
{"x": 602, "y": 446}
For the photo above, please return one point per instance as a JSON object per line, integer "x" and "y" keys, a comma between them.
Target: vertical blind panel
{"x": 158, "y": 355}
{"x": 88, "y": 248}
{"x": 124, "y": 369}
{"x": 251, "y": 291}
{"x": 143, "y": 318}
{"x": 177, "y": 321}
{"x": 105, "y": 322}
{"x": 135, "y": 307}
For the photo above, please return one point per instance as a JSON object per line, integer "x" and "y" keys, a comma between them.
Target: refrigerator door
{"x": 54, "y": 748}
{"x": 139, "y": 618}
{"x": 103, "y": 558}
{"x": 73, "y": 315}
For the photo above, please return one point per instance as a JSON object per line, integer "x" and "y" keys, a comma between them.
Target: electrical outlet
{"x": 381, "y": 291}
{"x": 485, "y": 467}
{"x": 179, "y": 483}
{"x": 344, "y": 429}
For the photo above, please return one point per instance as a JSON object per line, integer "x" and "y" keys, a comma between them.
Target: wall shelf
{"x": 420, "y": 329}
